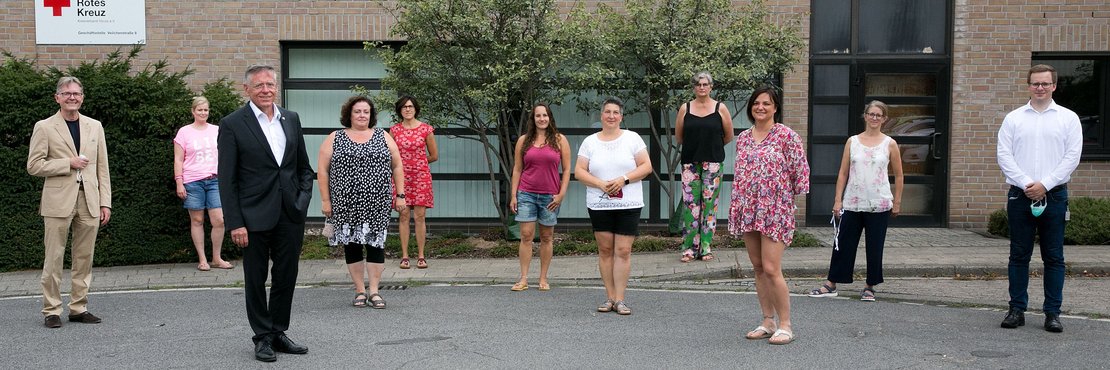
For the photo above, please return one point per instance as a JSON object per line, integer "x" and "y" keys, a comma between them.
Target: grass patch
{"x": 803, "y": 240}
{"x": 568, "y": 247}
{"x": 580, "y": 235}
{"x": 578, "y": 242}
{"x": 654, "y": 244}
{"x": 504, "y": 250}
{"x": 315, "y": 248}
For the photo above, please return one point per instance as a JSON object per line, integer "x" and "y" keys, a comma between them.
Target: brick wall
{"x": 215, "y": 38}
{"x": 993, "y": 46}
{"x": 993, "y": 42}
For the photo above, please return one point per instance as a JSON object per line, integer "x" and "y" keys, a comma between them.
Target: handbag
{"x": 329, "y": 229}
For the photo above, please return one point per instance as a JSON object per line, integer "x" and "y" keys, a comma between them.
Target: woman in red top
{"x": 538, "y": 189}
{"x": 417, "y": 143}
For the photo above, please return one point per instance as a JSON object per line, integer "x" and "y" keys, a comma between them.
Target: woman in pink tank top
{"x": 538, "y": 188}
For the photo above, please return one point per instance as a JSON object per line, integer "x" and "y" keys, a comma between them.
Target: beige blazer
{"x": 49, "y": 155}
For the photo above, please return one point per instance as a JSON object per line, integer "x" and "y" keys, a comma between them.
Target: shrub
{"x": 1089, "y": 224}
{"x": 999, "y": 224}
{"x": 141, "y": 111}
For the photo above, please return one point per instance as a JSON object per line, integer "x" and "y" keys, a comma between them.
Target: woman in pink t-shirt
{"x": 538, "y": 188}
{"x": 194, "y": 170}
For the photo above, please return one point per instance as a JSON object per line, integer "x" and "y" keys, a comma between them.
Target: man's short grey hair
{"x": 255, "y": 69}
{"x": 65, "y": 81}
{"x": 700, "y": 75}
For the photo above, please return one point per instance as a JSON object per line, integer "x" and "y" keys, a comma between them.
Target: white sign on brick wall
{"x": 85, "y": 22}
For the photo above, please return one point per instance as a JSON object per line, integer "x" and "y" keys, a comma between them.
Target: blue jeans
{"x": 1023, "y": 228}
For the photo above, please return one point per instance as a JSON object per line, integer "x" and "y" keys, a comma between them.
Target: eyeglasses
{"x": 68, "y": 94}
{"x": 1041, "y": 85}
{"x": 703, "y": 84}
{"x": 874, "y": 115}
{"x": 408, "y": 106}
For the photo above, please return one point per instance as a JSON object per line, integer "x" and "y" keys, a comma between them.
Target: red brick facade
{"x": 992, "y": 48}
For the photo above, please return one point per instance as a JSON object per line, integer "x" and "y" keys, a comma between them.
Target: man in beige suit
{"x": 68, "y": 150}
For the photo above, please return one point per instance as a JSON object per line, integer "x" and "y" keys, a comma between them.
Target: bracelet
{"x": 400, "y": 195}
{"x": 179, "y": 177}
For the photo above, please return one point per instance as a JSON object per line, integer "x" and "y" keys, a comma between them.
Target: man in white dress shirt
{"x": 1039, "y": 146}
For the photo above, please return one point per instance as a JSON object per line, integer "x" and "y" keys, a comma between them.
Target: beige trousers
{"x": 85, "y": 227}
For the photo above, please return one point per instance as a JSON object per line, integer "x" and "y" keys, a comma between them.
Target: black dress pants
{"x": 282, "y": 245}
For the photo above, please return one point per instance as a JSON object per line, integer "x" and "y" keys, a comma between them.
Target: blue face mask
{"x": 1038, "y": 207}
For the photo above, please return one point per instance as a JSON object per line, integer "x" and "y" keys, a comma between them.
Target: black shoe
{"x": 84, "y": 317}
{"x": 264, "y": 351}
{"x": 53, "y": 321}
{"x": 283, "y": 344}
{"x": 1013, "y": 319}
{"x": 1052, "y": 323}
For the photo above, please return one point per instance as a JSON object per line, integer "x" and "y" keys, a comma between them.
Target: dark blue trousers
{"x": 852, "y": 224}
{"x": 1023, "y": 230}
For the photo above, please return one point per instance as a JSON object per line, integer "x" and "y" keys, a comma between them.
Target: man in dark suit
{"x": 265, "y": 187}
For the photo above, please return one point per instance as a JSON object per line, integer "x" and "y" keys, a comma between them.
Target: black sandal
{"x": 360, "y": 300}
{"x": 378, "y": 304}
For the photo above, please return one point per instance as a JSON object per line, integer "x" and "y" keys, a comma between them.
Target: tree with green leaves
{"x": 478, "y": 65}
{"x": 647, "y": 52}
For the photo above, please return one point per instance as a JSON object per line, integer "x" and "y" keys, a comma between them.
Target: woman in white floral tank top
{"x": 864, "y": 201}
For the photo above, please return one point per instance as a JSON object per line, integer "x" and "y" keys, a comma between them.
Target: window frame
{"x": 1091, "y": 152}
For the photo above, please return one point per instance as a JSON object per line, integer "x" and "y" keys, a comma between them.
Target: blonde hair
{"x": 198, "y": 100}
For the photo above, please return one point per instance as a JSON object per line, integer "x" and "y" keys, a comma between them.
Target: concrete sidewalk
{"x": 908, "y": 253}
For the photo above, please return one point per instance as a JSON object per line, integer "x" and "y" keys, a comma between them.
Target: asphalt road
{"x": 486, "y": 327}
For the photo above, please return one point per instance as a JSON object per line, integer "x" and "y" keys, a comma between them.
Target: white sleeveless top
{"x": 868, "y": 188}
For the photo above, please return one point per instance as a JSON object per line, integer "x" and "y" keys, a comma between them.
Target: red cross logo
{"x": 57, "y": 5}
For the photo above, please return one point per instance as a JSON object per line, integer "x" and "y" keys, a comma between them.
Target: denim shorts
{"x": 532, "y": 207}
{"x": 202, "y": 194}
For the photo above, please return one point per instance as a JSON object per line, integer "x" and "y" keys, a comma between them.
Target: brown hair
{"x": 1038, "y": 69}
{"x": 345, "y": 111}
{"x": 551, "y": 133}
{"x": 775, "y": 96}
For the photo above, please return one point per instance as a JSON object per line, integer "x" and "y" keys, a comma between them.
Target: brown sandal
{"x": 421, "y": 263}
{"x": 360, "y": 300}
{"x": 378, "y": 304}
{"x": 405, "y": 263}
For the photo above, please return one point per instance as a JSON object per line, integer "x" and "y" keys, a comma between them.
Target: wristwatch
{"x": 401, "y": 195}
{"x": 626, "y": 181}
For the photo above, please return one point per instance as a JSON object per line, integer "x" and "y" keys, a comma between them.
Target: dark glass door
{"x": 918, "y": 96}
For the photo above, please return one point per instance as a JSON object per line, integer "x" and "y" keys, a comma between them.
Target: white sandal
{"x": 766, "y": 333}
{"x": 789, "y": 337}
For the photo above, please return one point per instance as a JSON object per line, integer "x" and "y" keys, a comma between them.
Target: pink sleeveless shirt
{"x": 540, "y": 173}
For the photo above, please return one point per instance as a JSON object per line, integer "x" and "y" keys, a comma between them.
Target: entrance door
{"x": 918, "y": 96}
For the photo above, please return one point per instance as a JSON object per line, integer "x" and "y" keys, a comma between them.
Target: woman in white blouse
{"x": 864, "y": 201}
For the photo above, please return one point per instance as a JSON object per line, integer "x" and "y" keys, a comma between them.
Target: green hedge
{"x": 141, "y": 111}
{"x": 1089, "y": 225}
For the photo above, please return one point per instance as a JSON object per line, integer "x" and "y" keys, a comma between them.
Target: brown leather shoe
{"x": 53, "y": 321}
{"x": 85, "y": 318}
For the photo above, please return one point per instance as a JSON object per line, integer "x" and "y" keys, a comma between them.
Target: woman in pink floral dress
{"x": 771, "y": 169}
{"x": 417, "y": 143}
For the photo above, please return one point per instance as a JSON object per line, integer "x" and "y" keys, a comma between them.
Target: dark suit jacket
{"x": 254, "y": 189}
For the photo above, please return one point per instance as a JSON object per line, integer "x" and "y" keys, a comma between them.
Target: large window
{"x": 1082, "y": 86}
